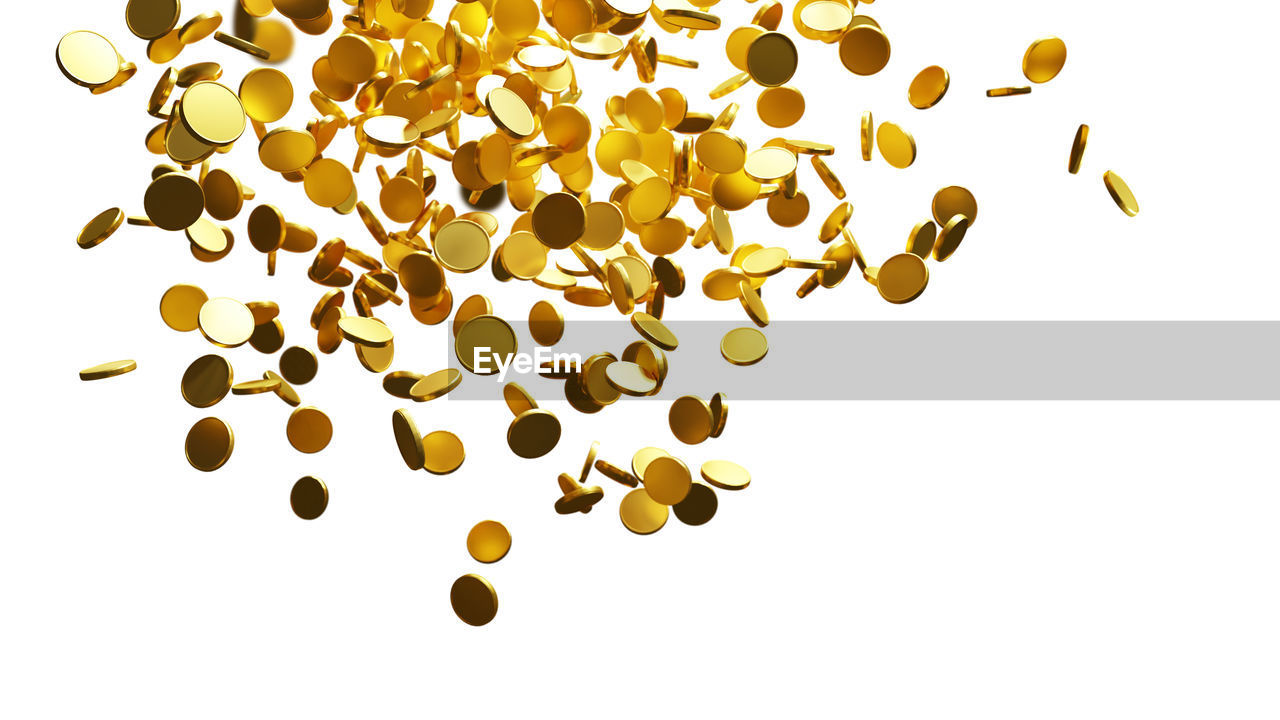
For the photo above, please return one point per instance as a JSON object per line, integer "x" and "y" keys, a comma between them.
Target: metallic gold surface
{"x": 108, "y": 370}
{"x": 489, "y": 541}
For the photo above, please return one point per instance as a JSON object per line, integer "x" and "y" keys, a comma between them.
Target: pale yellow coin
{"x": 744, "y": 346}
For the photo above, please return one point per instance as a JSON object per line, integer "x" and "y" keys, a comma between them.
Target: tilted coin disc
{"x": 725, "y": 475}
{"x": 309, "y": 498}
{"x": 1044, "y": 60}
{"x": 950, "y": 237}
{"x": 309, "y": 430}
{"x": 173, "y": 201}
{"x": 87, "y": 58}
{"x": 180, "y": 307}
{"x": 226, "y": 322}
{"x": 641, "y": 514}
{"x": 534, "y": 433}
{"x": 744, "y": 346}
{"x": 864, "y": 50}
{"x": 902, "y": 278}
{"x": 488, "y": 338}
{"x": 408, "y": 439}
{"x": 489, "y": 541}
{"x": 474, "y": 600}
{"x": 954, "y": 200}
{"x": 1121, "y": 193}
{"x": 207, "y": 380}
{"x": 212, "y": 113}
{"x": 151, "y": 19}
{"x": 108, "y": 370}
{"x": 698, "y": 507}
{"x": 209, "y": 444}
{"x": 690, "y": 419}
{"x": 667, "y": 480}
{"x": 771, "y": 59}
{"x": 101, "y": 227}
{"x": 444, "y": 452}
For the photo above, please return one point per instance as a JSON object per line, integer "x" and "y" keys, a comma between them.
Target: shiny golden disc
{"x": 309, "y": 430}
{"x": 902, "y": 278}
{"x": 753, "y": 305}
{"x": 1077, "y": 149}
{"x": 474, "y": 600}
{"x": 365, "y": 331}
{"x": 309, "y": 498}
{"x": 421, "y": 275}
{"x": 518, "y": 400}
{"x": 652, "y": 329}
{"x": 781, "y": 106}
{"x": 180, "y": 307}
{"x": 699, "y": 506}
{"x": 408, "y": 439}
{"x": 209, "y": 444}
{"x": 256, "y": 387}
{"x": 559, "y": 220}
{"x": 868, "y": 134}
{"x": 765, "y": 262}
{"x": 1044, "y": 59}
{"x": 327, "y": 183}
{"x": 266, "y": 94}
{"x": 224, "y": 196}
{"x": 928, "y": 87}
{"x": 824, "y": 20}
{"x": 285, "y": 151}
{"x": 771, "y": 59}
{"x": 720, "y": 152}
{"x": 207, "y": 381}
{"x": 629, "y": 378}
{"x": 922, "y": 239}
{"x": 725, "y": 475}
{"x": 864, "y": 50}
{"x": 100, "y": 228}
{"x": 597, "y": 46}
{"x": 954, "y": 200}
{"x": 443, "y": 451}
{"x": 690, "y": 419}
{"x": 510, "y": 113}
{"x": 1120, "y": 193}
{"x": 641, "y": 514}
{"x": 534, "y": 433}
{"x": 788, "y": 211}
{"x": 108, "y": 370}
{"x": 212, "y": 113}
{"x": 489, "y": 541}
{"x": 87, "y": 58}
{"x": 667, "y": 480}
{"x": 462, "y": 246}
{"x": 523, "y": 255}
{"x": 302, "y": 10}
{"x": 199, "y": 27}
{"x": 770, "y": 164}
{"x": 437, "y": 384}
{"x": 546, "y": 323}
{"x": 298, "y": 365}
{"x": 225, "y": 322}
{"x": 173, "y": 201}
{"x": 896, "y": 145}
{"x": 151, "y": 19}
{"x": 488, "y": 336}
{"x": 719, "y": 413}
{"x": 950, "y": 237}
{"x": 744, "y": 346}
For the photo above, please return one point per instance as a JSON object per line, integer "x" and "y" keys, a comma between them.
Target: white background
{"x": 890, "y": 560}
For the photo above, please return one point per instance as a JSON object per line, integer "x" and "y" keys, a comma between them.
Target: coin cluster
{"x": 397, "y": 77}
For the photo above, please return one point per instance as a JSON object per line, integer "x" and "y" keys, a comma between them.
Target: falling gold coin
{"x": 489, "y": 541}
{"x": 725, "y": 475}
{"x": 309, "y": 430}
{"x": 474, "y": 600}
{"x": 902, "y": 278}
{"x": 896, "y": 145}
{"x": 667, "y": 480}
{"x": 1044, "y": 60}
{"x": 534, "y": 433}
{"x": 641, "y": 514}
{"x": 226, "y": 322}
{"x": 690, "y": 419}
{"x": 100, "y": 228}
{"x": 309, "y": 498}
{"x": 209, "y": 444}
{"x": 744, "y": 346}
{"x": 950, "y": 237}
{"x": 698, "y": 507}
{"x": 207, "y": 381}
{"x": 107, "y": 370}
{"x": 444, "y": 452}
{"x": 1077, "y": 149}
{"x": 1120, "y": 193}
{"x": 928, "y": 87}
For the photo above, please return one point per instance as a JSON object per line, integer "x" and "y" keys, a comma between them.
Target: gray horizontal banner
{"x": 947, "y": 360}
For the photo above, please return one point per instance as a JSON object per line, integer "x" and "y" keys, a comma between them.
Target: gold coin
{"x": 173, "y": 201}
{"x": 719, "y": 413}
{"x": 1008, "y": 91}
{"x": 789, "y": 211}
{"x": 641, "y": 514}
{"x": 597, "y": 46}
{"x": 285, "y": 391}
{"x": 950, "y": 237}
{"x": 309, "y": 430}
{"x": 474, "y": 600}
{"x": 902, "y": 278}
{"x": 690, "y": 419}
{"x": 365, "y": 331}
{"x": 824, "y": 20}
{"x": 100, "y": 228}
{"x": 327, "y": 183}
{"x": 309, "y": 498}
{"x": 399, "y": 383}
{"x": 725, "y": 475}
{"x": 720, "y": 152}
{"x": 546, "y": 323}
{"x": 444, "y": 452}
{"x": 652, "y": 329}
{"x": 781, "y": 106}
{"x": 87, "y": 58}
{"x": 1077, "y": 149}
{"x": 194, "y": 73}
{"x": 699, "y": 506}
{"x": 645, "y": 110}
{"x": 534, "y": 433}
{"x": 209, "y": 444}
{"x": 487, "y": 339}
{"x": 896, "y": 145}
{"x": 722, "y": 283}
{"x": 518, "y": 400}
{"x": 471, "y": 307}
{"x": 408, "y": 439}
{"x": 107, "y": 370}
{"x": 489, "y": 541}
{"x": 462, "y": 246}
{"x": 922, "y": 239}
{"x": 510, "y": 113}
{"x": 421, "y": 275}
{"x": 559, "y": 220}
{"x": 207, "y": 381}
{"x": 353, "y": 59}
{"x": 765, "y": 262}
{"x": 523, "y": 255}
{"x": 256, "y": 387}
{"x": 753, "y": 304}
{"x": 285, "y": 151}
{"x": 212, "y": 113}
{"x": 298, "y": 365}
{"x": 744, "y": 346}
{"x": 868, "y": 134}
{"x": 667, "y": 480}
{"x": 180, "y": 307}
{"x": 224, "y": 196}
{"x": 151, "y": 19}
{"x": 225, "y": 322}
{"x": 640, "y": 461}
{"x": 771, "y": 59}
{"x": 437, "y": 384}
{"x": 1044, "y": 59}
{"x": 770, "y": 164}
{"x": 389, "y": 132}
{"x": 199, "y": 27}
{"x": 954, "y": 200}
{"x": 629, "y": 378}
{"x": 1120, "y": 193}
{"x": 207, "y": 236}
{"x": 734, "y": 191}
{"x": 864, "y": 49}
{"x": 928, "y": 87}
